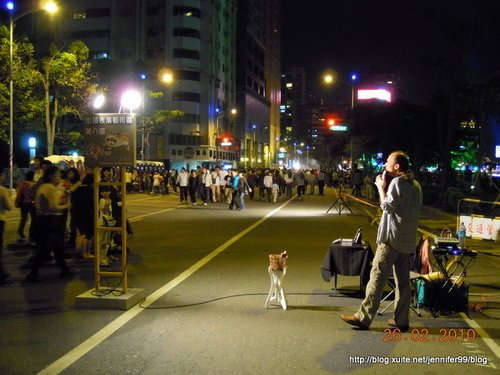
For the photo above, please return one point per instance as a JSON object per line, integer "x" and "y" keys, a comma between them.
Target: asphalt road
{"x": 204, "y": 271}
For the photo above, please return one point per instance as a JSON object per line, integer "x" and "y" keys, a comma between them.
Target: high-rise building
{"x": 293, "y": 105}
{"x": 131, "y": 41}
{"x": 258, "y": 87}
{"x": 195, "y": 39}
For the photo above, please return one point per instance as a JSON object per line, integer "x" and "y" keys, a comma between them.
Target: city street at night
{"x": 204, "y": 270}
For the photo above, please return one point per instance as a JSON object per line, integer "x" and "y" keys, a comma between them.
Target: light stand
{"x": 342, "y": 204}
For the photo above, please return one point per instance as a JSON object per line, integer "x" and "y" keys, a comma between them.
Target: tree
{"x": 67, "y": 85}
{"x": 381, "y": 127}
{"x": 27, "y": 104}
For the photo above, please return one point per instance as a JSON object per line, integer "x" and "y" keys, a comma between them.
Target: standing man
{"x": 183, "y": 184}
{"x": 396, "y": 239}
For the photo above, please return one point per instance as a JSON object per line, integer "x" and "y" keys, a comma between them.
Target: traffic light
{"x": 225, "y": 141}
{"x": 335, "y": 124}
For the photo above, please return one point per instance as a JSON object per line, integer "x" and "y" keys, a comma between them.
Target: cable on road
{"x": 226, "y": 297}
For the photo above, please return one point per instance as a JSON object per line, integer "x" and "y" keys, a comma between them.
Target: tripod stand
{"x": 340, "y": 204}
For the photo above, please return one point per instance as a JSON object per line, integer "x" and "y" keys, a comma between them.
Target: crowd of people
{"x": 216, "y": 184}
{"x": 60, "y": 203}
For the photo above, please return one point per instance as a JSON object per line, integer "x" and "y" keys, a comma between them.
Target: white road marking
{"x": 68, "y": 359}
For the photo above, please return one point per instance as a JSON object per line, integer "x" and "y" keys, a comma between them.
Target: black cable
{"x": 226, "y": 297}
{"x": 113, "y": 290}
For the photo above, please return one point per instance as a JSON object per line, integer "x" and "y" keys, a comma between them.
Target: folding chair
{"x": 414, "y": 305}
{"x": 420, "y": 263}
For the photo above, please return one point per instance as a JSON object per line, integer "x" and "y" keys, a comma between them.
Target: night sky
{"x": 368, "y": 36}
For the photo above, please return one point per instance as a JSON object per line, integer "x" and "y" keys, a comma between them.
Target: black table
{"x": 349, "y": 260}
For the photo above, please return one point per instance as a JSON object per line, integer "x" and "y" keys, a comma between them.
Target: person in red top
{"x": 26, "y": 196}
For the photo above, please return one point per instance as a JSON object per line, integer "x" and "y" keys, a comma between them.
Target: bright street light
{"x": 131, "y": 99}
{"x": 99, "y": 101}
{"x": 49, "y": 6}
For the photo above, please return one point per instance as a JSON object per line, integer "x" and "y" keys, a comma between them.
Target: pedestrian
{"x": 25, "y": 200}
{"x": 37, "y": 164}
{"x": 183, "y": 185}
{"x": 215, "y": 184}
{"x": 5, "y": 205}
{"x": 275, "y": 187}
{"x": 368, "y": 182}
{"x": 82, "y": 211}
{"x": 173, "y": 179}
{"x": 268, "y": 183}
{"x": 357, "y": 182}
{"x": 157, "y": 180}
{"x": 105, "y": 220}
{"x": 300, "y": 183}
{"x": 289, "y": 183}
{"x": 128, "y": 181}
{"x": 400, "y": 201}
{"x": 243, "y": 190}
{"x": 233, "y": 184}
{"x": 74, "y": 180}
{"x": 335, "y": 179}
{"x": 49, "y": 212}
{"x": 193, "y": 186}
{"x": 252, "y": 182}
{"x": 311, "y": 182}
{"x": 321, "y": 178}
{"x": 206, "y": 181}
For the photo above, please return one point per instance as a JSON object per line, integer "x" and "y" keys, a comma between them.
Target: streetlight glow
{"x": 50, "y": 7}
{"x": 99, "y": 101}
{"x": 131, "y": 99}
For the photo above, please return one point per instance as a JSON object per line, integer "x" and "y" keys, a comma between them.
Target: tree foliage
{"x": 28, "y": 104}
{"x": 67, "y": 85}
{"x": 381, "y": 127}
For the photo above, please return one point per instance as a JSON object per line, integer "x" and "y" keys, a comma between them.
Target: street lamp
{"x": 165, "y": 75}
{"x": 49, "y": 7}
{"x": 331, "y": 77}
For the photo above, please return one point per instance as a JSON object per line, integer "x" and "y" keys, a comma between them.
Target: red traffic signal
{"x": 226, "y": 141}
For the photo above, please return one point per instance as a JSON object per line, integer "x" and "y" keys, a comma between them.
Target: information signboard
{"x": 110, "y": 140}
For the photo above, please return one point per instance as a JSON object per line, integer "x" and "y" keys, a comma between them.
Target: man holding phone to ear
{"x": 400, "y": 200}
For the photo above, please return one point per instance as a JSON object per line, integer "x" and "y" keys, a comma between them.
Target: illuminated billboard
{"x": 379, "y": 94}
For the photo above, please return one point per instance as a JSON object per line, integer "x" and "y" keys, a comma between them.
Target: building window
{"x": 153, "y": 31}
{"x": 186, "y": 54}
{"x": 126, "y": 33}
{"x": 186, "y": 96}
{"x": 125, "y": 54}
{"x": 99, "y": 12}
{"x": 98, "y": 55}
{"x": 153, "y": 53}
{"x": 186, "y": 32}
{"x": 154, "y": 9}
{"x": 126, "y": 12}
{"x": 187, "y": 75}
{"x": 174, "y": 152}
{"x": 86, "y": 34}
{"x": 77, "y": 15}
{"x": 187, "y": 11}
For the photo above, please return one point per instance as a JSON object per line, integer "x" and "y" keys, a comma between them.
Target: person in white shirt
{"x": 183, "y": 184}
